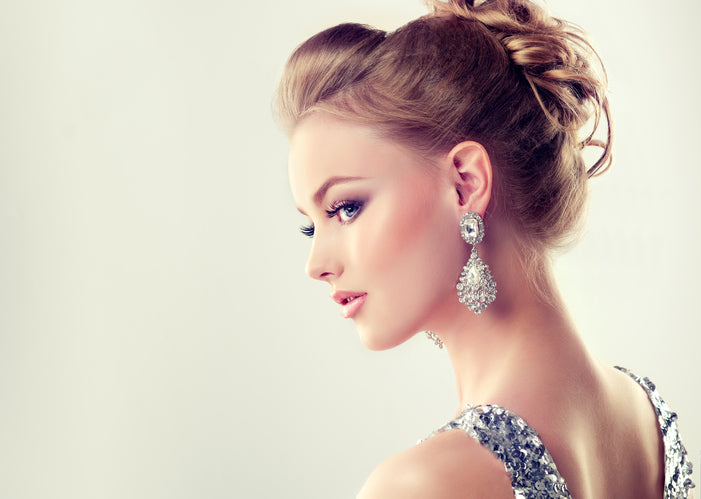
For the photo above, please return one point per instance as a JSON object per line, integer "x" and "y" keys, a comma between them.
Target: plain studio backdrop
{"x": 158, "y": 336}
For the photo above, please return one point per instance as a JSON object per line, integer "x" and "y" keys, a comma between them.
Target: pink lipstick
{"x": 350, "y": 302}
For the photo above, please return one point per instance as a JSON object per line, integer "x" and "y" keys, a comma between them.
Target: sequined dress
{"x": 530, "y": 465}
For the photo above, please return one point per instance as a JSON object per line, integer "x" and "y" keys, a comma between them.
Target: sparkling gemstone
{"x": 474, "y": 274}
{"x": 471, "y": 228}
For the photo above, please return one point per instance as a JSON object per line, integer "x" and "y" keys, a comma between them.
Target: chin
{"x": 379, "y": 340}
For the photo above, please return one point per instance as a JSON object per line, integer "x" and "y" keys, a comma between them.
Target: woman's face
{"x": 384, "y": 225}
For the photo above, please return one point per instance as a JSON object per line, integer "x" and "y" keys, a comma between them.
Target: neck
{"x": 517, "y": 343}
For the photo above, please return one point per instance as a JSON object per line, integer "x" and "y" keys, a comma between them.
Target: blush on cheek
{"x": 399, "y": 228}
{"x": 404, "y": 228}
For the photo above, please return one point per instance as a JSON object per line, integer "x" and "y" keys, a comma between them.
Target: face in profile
{"x": 384, "y": 227}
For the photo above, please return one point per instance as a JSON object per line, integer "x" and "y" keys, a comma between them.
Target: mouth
{"x": 350, "y": 302}
{"x": 344, "y": 297}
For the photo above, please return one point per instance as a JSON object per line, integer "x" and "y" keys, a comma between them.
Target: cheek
{"x": 412, "y": 244}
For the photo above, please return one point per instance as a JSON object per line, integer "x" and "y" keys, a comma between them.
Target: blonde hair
{"x": 503, "y": 73}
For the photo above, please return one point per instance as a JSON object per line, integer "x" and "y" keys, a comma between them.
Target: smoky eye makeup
{"x": 346, "y": 210}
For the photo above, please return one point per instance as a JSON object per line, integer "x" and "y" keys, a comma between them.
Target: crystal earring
{"x": 434, "y": 338}
{"x": 476, "y": 288}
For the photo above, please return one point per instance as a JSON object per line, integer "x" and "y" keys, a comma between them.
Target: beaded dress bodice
{"x": 533, "y": 472}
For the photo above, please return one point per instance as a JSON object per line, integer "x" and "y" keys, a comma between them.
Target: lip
{"x": 350, "y": 302}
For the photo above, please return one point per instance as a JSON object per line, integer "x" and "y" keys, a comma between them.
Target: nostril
{"x": 319, "y": 274}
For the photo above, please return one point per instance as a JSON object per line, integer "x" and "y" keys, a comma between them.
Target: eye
{"x": 346, "y": 210}
{"x": 307, "y": 230}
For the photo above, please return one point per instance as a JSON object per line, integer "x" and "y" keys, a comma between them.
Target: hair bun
{"x": 563, "y": 69}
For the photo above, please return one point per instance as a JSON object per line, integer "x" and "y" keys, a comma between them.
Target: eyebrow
{"x": 321, "y": 191}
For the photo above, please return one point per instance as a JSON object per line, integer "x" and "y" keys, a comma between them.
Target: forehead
{"x": 323, "y": 146}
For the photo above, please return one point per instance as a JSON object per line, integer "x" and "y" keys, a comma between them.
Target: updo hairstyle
{"x": 503, "y": 73}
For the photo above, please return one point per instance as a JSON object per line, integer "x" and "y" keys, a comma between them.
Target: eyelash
{"x": 335, "y": 209}
{"x": 307, "y": 230}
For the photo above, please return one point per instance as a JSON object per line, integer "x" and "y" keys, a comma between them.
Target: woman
{"x": 439, "y": 165}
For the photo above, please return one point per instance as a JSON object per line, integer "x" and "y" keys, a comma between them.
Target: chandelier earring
{"x": 476, "y": 288}
{"x": 434, "y": 338}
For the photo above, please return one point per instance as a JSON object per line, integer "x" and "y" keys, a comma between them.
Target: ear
{"x": 472, "y": 173}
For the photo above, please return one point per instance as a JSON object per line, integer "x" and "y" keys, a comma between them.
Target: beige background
{"x": 158, "y": 337}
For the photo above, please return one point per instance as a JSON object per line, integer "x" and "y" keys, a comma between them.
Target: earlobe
{"x": 472, "y": 175}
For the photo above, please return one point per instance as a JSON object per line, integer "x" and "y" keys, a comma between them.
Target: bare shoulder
{"x": 448, "y": 465}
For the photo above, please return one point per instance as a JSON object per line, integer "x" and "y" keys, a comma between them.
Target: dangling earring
{"x": 476, "y": 288}
{"x": 434, "y": 337}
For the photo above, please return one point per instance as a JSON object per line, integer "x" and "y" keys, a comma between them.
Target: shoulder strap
{"x": 517, "y": 445}
{"x": 678, "y": 468}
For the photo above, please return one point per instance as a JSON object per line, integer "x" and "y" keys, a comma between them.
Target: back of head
{"x": 502, "y": 73}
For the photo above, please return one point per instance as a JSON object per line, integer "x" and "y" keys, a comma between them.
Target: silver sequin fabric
{"x": 532, "y": 469}
{"x": 678, "y": 468}
{"x": 533, "y": 472}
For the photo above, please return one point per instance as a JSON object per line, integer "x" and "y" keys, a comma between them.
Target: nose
{"x": 324, "y": 262}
